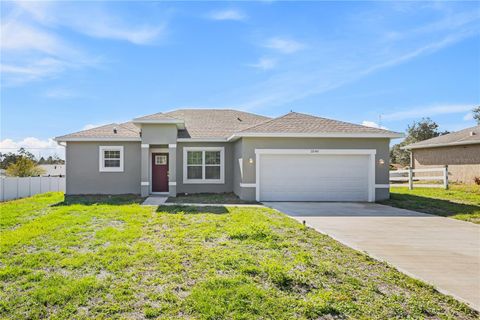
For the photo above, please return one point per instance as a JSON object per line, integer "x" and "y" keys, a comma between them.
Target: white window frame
{"x": 203, "y": 180}
{"x": 101, "y": 156}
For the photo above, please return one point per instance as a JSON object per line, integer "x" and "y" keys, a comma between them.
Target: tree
{"x": 417, "y": 131}
{"x": 476, "y": 114}
{"x": 24, "y": 167}
{"x": 8, "y": 158}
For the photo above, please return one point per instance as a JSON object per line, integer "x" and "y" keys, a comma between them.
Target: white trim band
{"x": 145, "y": 145}
{"x": 382, "y": 186}
{"x": 97, "y": 139}
{"x": 145, "y": 183}
{"x": 172, "y": 146}
{"x": 172, "y": 183}
{"x": 248, "y": 185}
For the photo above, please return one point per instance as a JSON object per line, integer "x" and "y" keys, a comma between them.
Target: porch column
{"x": 172, "y": 171}
{"x": 145, "y": 181}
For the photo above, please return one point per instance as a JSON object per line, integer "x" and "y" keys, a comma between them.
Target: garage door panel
{"x": 314, "y": 177}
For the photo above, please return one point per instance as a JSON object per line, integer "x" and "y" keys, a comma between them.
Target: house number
{"x": 314, "y": 151}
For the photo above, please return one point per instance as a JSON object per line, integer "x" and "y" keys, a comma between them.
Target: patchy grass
{"x": 212, "y": 198}
{"x": 79, "y": 261}
{"x": 460, "y": 201}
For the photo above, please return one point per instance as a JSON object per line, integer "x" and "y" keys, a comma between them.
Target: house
{"x": 295, "y": 157}
{"x": 53, "y": 170}
{"x": 459, "y": 150}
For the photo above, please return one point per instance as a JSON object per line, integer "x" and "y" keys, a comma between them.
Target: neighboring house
{"x": 459, "y": 150}
{"x": 295, "y": 157}
{"x": 53, "y": 170}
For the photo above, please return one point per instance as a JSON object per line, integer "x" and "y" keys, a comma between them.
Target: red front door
{"x": 159, "y": 172}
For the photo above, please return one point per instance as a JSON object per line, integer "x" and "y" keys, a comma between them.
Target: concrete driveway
{"x": 441, "y": 251}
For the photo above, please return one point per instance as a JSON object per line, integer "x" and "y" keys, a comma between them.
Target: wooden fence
{"x": 410, "y": 178}
{"x": 16, "y": 187}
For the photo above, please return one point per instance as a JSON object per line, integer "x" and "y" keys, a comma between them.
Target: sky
{"x": 68, "y": 66}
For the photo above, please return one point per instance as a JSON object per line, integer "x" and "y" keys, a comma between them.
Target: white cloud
{"x": 373, "y": 124}
{"x": 284, "y": 45}
{"x": 60, "y": 93}
{"x": 429, "y": 111}
{"x": 39, "y": 147}
{"x": 468, "y": 116}
{"x": 228, "y": 14}
{"x": 264, "y": 64}
{"x": 33, "y": 49}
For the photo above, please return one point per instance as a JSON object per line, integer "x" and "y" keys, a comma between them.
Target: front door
{"x": 159, "y": 172}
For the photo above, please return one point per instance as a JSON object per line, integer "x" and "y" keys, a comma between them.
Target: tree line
{"x": 24, "y": 164}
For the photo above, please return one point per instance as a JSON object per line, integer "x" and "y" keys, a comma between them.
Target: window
{"x": 203, "y": 165}
{"x": 160, "y": 160}
{"x": 111, "y": 158}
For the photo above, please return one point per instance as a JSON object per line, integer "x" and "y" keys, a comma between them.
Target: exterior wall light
{"x": 250, "y": 160}
{"x": 381, "y": 162}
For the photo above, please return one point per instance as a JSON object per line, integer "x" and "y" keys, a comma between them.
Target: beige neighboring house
{"x": 53, "y": 170}
{"x": 459, "y": 150}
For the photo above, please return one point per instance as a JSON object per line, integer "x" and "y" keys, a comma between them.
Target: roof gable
{"x": 295, "y": 122}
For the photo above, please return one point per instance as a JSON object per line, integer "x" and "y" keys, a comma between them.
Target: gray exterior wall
{"x": 84, "y": 177}
{"x": 203, "y": 187}
{"x": 381, "y": 146}
{"x": 159, "y": 133}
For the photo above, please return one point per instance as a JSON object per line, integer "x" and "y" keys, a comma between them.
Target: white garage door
{"x": 313, "y": 177}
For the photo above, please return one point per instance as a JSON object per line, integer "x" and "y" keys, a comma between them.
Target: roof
{"x": 300, "y": 123}
{"x": 124, "y": 131}
{"x": 226, "y": 124}
{"x": 214, "y": 123}
{"x": 462, "y": 137}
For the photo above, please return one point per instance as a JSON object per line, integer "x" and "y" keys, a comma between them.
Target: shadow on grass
{"x": 192, "y": 209}
{"x": 209, "y": 198}
{"x": 124, "y": 199}
{"x": 437, "y": 207}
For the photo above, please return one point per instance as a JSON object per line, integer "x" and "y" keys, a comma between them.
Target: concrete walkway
{"x": 154, "y": 201}
{"x": 441, "y": 251}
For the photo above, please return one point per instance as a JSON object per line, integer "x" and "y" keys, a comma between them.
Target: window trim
{"x": 101, "y": 156}
{"x": 203, "y": 165}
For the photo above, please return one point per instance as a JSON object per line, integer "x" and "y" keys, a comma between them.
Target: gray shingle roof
{"x": 465, "y": 136}
{"x": 124, "y": 130}
{"x": 214, "y": 123}
{"x": 295, "y": 122}
{"x": 223, "y": 123}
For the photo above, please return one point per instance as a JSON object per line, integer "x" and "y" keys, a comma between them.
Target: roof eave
{"x": 427, "y": 146}
{"x": 93, "y": 139}
{"x": 389, "y": 135}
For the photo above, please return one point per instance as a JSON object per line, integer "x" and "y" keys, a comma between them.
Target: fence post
{"x": 445, "y": 177}
{"x": 410, "y": 178}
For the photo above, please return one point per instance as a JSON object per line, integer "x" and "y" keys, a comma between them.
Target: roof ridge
{"x": 264, "y": 122}
{"x": 157, "y": 113}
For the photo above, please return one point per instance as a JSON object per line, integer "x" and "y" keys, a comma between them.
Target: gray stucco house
{"x": 295, "y": 157}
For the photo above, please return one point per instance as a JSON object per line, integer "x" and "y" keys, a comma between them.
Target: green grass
{"x": 460, "y": 201}
{"x": 71, "y": 260}
{"x": 215, "y": 198}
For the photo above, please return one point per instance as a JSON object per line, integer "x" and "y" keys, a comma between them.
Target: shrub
{"x": 477, "y": 180}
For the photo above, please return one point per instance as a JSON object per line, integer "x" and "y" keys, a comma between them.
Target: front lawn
{"x": 71, "y": 260}
{"x": 460, "y": 201}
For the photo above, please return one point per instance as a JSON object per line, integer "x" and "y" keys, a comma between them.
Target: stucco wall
{"x": 84, "y": 177}
{"x": 250, "y": 144}
{"x": 237, "y": 166}
{"x": 463, "y": 161}
{"x": 205, "y": 187}
{"x": 159, "y": 133}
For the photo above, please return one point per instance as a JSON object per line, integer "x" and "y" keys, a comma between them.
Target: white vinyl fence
{"x": 16, "y": 187}
{"x": 406, "y": 178}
